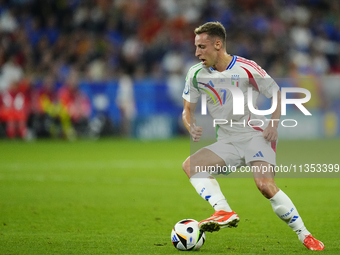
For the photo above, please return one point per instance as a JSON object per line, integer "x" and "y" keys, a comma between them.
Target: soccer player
{"x": 236, "y": 145}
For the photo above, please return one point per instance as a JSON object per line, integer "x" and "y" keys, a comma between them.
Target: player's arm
{"x": 270, "y": 133}
{"x": 189, "y": 120}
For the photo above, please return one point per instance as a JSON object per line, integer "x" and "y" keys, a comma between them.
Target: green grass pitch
{"x": 118, "y": 196}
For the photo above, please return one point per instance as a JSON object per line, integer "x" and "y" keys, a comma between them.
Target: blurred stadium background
{"x": 94, "y": 68}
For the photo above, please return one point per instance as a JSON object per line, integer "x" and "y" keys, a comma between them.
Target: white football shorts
{"x": 243, "y": 153}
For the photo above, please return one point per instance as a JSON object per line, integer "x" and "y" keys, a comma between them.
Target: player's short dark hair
{"x": 213, "y": 29}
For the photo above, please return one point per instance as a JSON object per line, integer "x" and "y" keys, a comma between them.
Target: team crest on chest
{"x": 235, "y": 80}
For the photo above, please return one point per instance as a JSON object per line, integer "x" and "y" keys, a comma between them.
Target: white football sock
{"x": 207, "y": 187}
{"x": 286, "y": 211}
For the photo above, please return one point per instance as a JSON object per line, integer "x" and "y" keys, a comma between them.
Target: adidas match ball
{"x": 187, "y": 236}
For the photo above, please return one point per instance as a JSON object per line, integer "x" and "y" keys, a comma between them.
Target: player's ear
{"x": 218, "y": 45}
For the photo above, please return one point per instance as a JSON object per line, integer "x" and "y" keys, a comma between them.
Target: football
{"x": 187, "y": 236}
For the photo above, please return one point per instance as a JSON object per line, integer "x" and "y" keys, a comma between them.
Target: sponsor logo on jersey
{"x": 258, "y": 155}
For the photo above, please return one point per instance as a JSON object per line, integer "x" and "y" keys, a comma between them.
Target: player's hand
{"x": 270, "y": 134}
{"x": 196, "y": 132}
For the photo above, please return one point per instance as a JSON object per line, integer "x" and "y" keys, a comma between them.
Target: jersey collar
{"x": 231, "y": 64}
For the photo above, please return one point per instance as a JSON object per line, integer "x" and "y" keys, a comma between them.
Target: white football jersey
{"x": 241, "y": 73}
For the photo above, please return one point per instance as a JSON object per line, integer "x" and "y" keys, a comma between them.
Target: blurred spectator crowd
{"x": 48, "y": 46}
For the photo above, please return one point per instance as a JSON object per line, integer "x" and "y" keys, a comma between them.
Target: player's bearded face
{"x": 205, "y": 49}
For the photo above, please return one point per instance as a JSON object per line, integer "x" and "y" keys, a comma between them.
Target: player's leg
{"x": 208, "y": 188}
{"x": 264, "y": 179}
{"x": 286, "y": 211}
{"x": 263, "y": 172}
{"x": 282, "y": 205}
{"x": 201, "y": 161}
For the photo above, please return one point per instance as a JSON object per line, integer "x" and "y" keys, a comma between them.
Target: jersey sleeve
{"x": 265, "y": 83}
{"x": 190, "y": 93}
{"x": 259, "y": 78}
